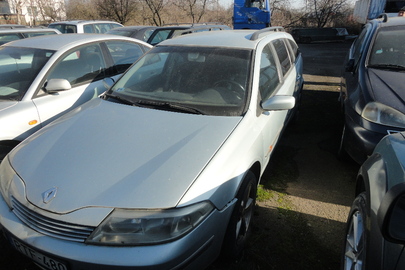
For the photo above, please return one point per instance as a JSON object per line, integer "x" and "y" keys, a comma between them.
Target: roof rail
{"x": 268, "y": 29}
{"x": 383, "y": 16}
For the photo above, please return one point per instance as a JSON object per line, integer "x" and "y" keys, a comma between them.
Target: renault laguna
{"x": 161, "y": 171}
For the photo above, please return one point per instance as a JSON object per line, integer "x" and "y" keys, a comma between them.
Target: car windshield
{"x": 19, "y": 67}
{"x": 212, "y": 81}
{"x": 389, "y": 49}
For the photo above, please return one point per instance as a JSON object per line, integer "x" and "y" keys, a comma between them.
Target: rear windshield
{"x": 64, "y": 28}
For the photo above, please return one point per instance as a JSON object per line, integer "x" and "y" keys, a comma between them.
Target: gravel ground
{"x": 300, "y": 225}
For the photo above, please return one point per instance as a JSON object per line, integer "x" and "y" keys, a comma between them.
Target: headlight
{"x": 146, "y": 227}
{"x": 6, "y": 176}
{"x": 383, "y": 115}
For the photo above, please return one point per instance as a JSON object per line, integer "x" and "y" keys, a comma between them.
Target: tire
{"x": 354, "y": 253}
{"x": 240, "y": 222}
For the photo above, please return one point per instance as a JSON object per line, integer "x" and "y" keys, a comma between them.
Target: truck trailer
{"x": 365, "y": 10}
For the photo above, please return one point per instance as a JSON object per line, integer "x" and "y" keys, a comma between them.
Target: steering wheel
{"x": 233, "y": 86}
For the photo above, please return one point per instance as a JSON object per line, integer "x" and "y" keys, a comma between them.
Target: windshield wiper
{"x": 387, "y": 66}
{"x": 168, "y": 106}
{"x": 120, "y": 99}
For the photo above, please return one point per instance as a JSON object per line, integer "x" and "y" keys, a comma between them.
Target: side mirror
{"x": 350, "y": 66}
{"x": 56, "y": 85}
{"x": 391, "y": 215}
{"x": 276, "y": 103}
{"x": 108, "y": 82}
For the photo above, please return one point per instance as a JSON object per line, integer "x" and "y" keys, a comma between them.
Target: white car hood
{"x": 105, "y": 154}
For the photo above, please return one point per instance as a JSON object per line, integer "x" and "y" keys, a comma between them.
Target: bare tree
{"x": 116, "y": 10}
{"x": 322, "y": 11}
{"x": 49, "y": 10}
{"x": 194, "y": 9}
{"x": 156, "y": 8}
{"x": 81, "y": 10}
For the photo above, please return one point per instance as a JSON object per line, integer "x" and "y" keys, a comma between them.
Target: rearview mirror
{"x": 391, "y": 214}
{"x": 56, "y": 85}
{"x": 108, "y": 82}
{"x": 277, "y": 103}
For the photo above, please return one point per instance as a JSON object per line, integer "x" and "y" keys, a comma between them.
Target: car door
{"x": 272, "y": 82}
{"x": 84, "y": 68}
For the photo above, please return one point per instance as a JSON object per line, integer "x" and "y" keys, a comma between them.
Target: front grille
{"x": 52, "y": 227}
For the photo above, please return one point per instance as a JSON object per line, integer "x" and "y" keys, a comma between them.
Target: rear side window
{"x": 282, "y": 54}
{"x": 293, "y": 48}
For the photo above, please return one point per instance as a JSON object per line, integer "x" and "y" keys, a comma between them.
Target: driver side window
{"x": 269, "y": 78}
{"x": 83, "y": 65}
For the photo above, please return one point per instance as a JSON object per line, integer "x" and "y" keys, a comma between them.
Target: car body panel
{"x": 384, "y": 169}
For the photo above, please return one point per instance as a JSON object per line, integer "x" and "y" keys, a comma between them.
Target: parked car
{"x": 11, "y": 26}
{"x": 83, "y": 26}
{"x": 7, "y": 35}
{"x": 170, "y": 31}
{"x": 160, "y": 172}
{"x": 375, "y": 234}
{"x": 43, "y": 77}
{"x": 139, "y": 32}
{"x": 372, "y": 91}
{"x": 308, "y": 35}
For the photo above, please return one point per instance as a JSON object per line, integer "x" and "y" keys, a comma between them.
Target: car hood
{"x": 387, "y": 87}
{"x": 6, "y": 104}
{"x": 106, "y": 154}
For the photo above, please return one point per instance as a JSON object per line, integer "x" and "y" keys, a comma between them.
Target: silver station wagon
{"x": 43, "y": 77}
{"x": 161, "y": 171}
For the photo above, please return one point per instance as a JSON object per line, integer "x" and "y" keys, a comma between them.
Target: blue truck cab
{"x": 251, "y": 14}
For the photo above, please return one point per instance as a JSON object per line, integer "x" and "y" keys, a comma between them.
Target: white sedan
{"x": 44, "y": 77}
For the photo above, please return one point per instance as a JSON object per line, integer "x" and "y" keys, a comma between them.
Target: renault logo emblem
{"x": 49, "y": 195}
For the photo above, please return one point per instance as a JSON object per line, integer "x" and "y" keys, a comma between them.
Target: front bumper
{"x": 362, "y": 136}
{"x": 194, "y": 251}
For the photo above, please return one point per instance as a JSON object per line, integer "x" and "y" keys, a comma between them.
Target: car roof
{"x": 11, "y": 26}
{"x": 56, "y": 42}
{"x": 26, "y": 30}
{"x": 386, "y": 21}
{"x": 192, "y": 26}
{"x": 83, "y": 22}
{"x": 246, "y": 39}
{"x": 134, "y": 27}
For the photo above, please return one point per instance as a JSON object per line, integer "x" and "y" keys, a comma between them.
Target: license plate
{"x": 38, "y": 257}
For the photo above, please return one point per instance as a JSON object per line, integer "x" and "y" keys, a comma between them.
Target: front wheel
{"x": 356, "y": 238}
{"x": 240, "y": 221}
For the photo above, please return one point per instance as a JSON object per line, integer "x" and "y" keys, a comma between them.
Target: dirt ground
{"x": 300, "y": 225}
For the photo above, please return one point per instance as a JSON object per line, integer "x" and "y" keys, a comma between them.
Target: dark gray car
{"x": 139, "y": 32}
{"x": 375, "y": 234}
{"x": 372, "y": 92}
